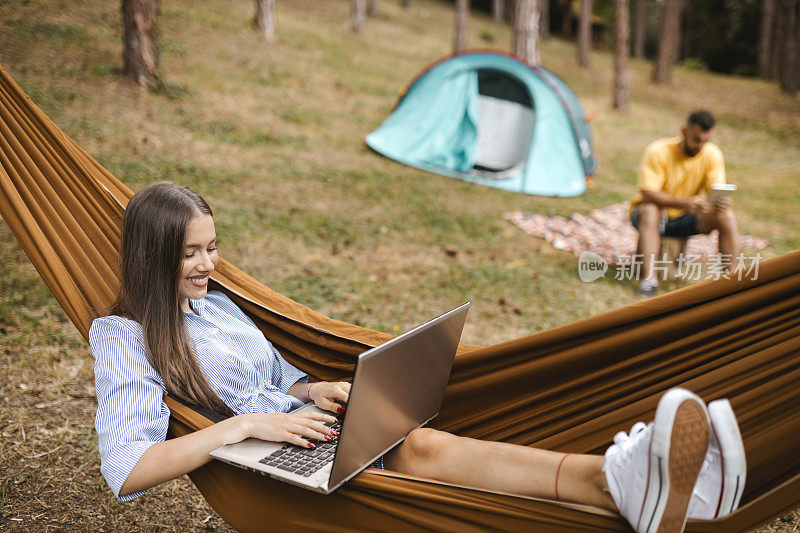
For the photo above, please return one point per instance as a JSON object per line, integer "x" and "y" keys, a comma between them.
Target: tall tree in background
{"x": 585, "y": 33}
{"x": 498, "y": 10}
{"x": 358, "y": 19}
{"x": 140, "y": 57}
{"x": 621, "y": 47}
{"x": 462, "y": 25}
{"x": 544, "y": 19}
{"x": 765, "y": 38}
{"x": 640, "y": 29}
{"x": 789, "y": 78}
{"x": 372, "y": 8}
{"x": 264, "y": 19}
{"x": 667, "y": 43}
{"x": 684, "y": 48}
{"x": 778, "y": 42}
{"x": 526, "y": 31}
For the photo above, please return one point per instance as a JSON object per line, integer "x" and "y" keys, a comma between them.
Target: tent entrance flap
{"x": 505, "y": 131}
{"x": 505, "y": 125}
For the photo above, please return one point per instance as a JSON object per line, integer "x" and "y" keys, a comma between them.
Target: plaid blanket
{"x": 609, "y": 233}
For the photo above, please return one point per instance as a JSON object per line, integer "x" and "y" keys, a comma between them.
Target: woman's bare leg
{"x": 502, "y": 467}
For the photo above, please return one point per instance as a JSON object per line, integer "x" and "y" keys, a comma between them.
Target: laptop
{"x": 398, "y": 386}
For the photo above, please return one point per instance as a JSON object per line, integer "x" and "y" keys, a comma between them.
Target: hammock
{"x": 569, "y": 388}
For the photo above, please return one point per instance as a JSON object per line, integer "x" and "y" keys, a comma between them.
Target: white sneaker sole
{"x": 734, "y": 465}
{"x": 679, "y": 445}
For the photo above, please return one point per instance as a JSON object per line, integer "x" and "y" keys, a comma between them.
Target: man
{"x": 675, "y": 176}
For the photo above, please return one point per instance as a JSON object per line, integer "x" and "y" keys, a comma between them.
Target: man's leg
{"x": 649, "y": 237}
{"x": 725, "y": 223}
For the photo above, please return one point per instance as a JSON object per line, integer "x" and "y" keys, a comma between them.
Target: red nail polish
{"x": 340, "y": 409}
{"x": 310, "y": 445}
{"x": 336, "y": 433}
{"x": 328, "y": 437}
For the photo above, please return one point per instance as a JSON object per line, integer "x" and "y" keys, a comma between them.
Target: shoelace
{"x": 627, "y": 443}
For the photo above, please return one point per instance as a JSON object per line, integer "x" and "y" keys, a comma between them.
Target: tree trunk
{"x": 676, "y": 54}
{"x": 358, "y": 21}
{"x": 778, "y": 42}
{"x": 790, "y": 77}
{"x": 372, "y": 8}
{"x": 405, "y": 4}
{"x": 585, "y": 33}
{"x": 765, "y": 38}
{"x": 544, "y": 19}
{"x": 686, "y": 31}
{"x": 510, "y": 12}
{"x": 498, "y": 10}
{"x": 462, "y": 23}
{"x": 640, "y": 32}
{"x": 140, "y": 37}
{"x": 621, "y": 47}
{"x": 264, "y": 19}
{"x": 662, "y": 72}
{"x": 526, "y": 31}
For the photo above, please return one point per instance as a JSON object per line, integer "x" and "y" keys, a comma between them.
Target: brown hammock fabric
{"x": 570, "y": 388}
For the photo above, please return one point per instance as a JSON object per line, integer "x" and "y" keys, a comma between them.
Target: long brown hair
{"x": 151, "y": 257}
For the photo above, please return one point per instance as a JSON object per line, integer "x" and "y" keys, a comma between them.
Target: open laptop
{"x": 398, "y": 386}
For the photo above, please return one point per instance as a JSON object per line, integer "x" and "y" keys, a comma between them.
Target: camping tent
{"x": 489, "y": 118}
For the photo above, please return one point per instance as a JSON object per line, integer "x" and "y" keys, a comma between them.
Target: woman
{"x": 168, "y": 334}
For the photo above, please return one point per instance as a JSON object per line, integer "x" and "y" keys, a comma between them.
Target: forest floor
{"x": 272, "y": 134}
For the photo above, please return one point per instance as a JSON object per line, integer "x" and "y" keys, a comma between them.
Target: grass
{"x": 272, "y": 135}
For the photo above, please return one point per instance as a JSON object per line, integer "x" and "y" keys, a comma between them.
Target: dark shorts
{"x": 683, "y": 226}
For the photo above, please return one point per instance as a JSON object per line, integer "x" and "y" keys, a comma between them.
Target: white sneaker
{"x": 721, "y": 481}
{"x": 647, "y": 288}
{"x": 651, "y": 472}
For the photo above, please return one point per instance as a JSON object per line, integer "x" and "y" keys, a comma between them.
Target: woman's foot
{"x": 721, "y": 482}
{"x": 651, "y": 472}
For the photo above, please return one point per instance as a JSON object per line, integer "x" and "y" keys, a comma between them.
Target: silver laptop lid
{"x": 397, "y": 387}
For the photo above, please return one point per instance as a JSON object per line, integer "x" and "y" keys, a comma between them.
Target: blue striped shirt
{"x": 243, "y": 367}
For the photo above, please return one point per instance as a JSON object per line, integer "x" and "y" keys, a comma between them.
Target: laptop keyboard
{"x": 304, "y": 461}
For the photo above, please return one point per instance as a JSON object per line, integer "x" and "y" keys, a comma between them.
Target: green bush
{"x": 694, "y": 63}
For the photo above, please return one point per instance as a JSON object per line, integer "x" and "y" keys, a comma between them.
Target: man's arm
{"x": 695, "y": 204}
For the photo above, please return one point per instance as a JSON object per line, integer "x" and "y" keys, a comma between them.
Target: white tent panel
{"x": 505, "y": 132}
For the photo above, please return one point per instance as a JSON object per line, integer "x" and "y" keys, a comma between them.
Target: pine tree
{"x": 462, "y": 25}
{"x": 621, "y": 44}
{"x": 264, "y": 19}
{"x": 667, "y": 43}
{"x": 526, "y": 31}
{"x": 585, "y": 33}
{"x": 140, "y": 56}
{"x": 358, "y": 20}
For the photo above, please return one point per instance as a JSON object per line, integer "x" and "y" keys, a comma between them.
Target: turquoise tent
{"x": 489, "y": 118}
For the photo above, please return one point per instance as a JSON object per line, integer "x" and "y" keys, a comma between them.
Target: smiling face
{"x": 199, "y": 260}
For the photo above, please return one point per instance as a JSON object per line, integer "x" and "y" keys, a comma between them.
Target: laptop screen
{"x": 398, "y": 386}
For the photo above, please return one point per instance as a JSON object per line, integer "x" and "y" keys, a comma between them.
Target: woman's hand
{"x": 325, "y": 394}
{"x": 174, "y": 457}
{"x": 293, "y": 428}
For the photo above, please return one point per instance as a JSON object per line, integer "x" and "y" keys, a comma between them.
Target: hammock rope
{"x": 569, "y": 388}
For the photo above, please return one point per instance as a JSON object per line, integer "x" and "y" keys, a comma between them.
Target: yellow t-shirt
{"x": 665, "y": 167}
